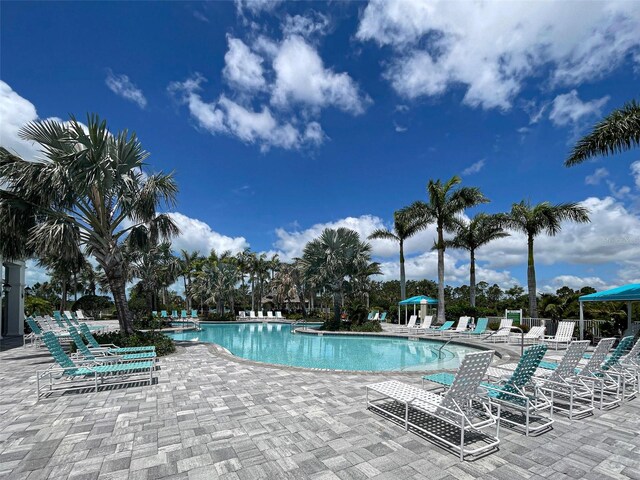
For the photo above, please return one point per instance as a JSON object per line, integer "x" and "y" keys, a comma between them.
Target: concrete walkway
{"x": 211, "y": 417}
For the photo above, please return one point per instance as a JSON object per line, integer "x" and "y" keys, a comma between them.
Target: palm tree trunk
{"x": 472, "y": 279}
{"x": 253, "y": 295}
{"x": 117, "y": 283}
{"x": 336, "y": 307}
{"x": 441, "y": 314}
{"x": 531, "y": 281}
{"x": 63, "y": 302}
{"x": 186, "y": 295}
{"x": 403, "y": 281}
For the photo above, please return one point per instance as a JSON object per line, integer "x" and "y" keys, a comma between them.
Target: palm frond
{"x": 617, "y": 132}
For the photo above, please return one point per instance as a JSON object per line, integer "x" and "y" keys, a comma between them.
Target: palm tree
{"x": 91, "y": 183}
{"x": 332, "y": 259}
{"x": 187, "y": 266}
{"x": 444, "y": 205}
{"x": 403, "y": 228}
{"x": 617, "y": 132}
{"x": 470, "y": 236}
{"x": 532, "y": 220}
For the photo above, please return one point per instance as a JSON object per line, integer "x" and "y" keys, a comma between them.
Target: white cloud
{"x": 596, "y": 177}
{"x": 568, "y": 109}
{"x": 197, "y": 235}
{"x": 301, "y": 77}
{"x": 256, "y": 6}
{"x": 254, "y": 127}
{"x": 474, "y": 167}
{"x": 576, "y": 283}
{"x": 123, "y": 87}
{"x": 34, "y": 273}
{"x": 635, "y": 172}
{"x": 243, "y": 68}
{"x": 277, "y": 93}
{"x": 439, "y": 45}
{"x": 604, "y": 240}
{"x": 15, "y": 112}
{"x": 305, "y": 26}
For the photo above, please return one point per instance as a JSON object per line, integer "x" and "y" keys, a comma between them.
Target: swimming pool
{"x": 274, "y": 343}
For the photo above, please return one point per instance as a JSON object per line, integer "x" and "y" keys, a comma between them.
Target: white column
{"x": 15, "y": 298}
{"x": 581, "y": 322}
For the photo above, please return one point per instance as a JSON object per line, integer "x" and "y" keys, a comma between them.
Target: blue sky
{"x": 281, "y": 118}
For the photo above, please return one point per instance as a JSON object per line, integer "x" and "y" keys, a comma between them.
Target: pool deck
{"x": 210, "y": 416}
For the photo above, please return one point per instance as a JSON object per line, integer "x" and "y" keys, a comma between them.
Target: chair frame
{"x": 457, "y": 406}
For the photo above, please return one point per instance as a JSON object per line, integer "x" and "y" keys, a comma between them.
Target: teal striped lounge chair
{"x": 163, "y": 314}
{"x": 518, "y": 395}
{"x": 480, "y": 328}
{"x": 75, "y": 375}
{"x": 105, "y": 355}
{"x": 194, "y": 314}
{"x": 441, "y": 329}
{"x": 183, "y": 315}
{"x": 114, "y": 349}
{"x": 458, "y": 409}
{"x": 383, "y": 317}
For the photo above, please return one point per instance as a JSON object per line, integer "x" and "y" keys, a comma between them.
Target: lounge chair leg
{"x": 462, "y": 439}
{"x": 406, "y": 417}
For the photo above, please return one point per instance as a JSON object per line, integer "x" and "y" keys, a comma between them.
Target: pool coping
{"x": 503, "y": 355}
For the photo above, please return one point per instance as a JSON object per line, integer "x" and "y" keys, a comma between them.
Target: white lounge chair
{"x": 241, "y": 315}
{"x": 376, "y": 317}
{"x": 261, "y": 315}
{"x": 564, "y": 334}
{"x": 405, "y": 328}
{"x": 459, "y": 406}
{"x": 461, "y": 328}
{"x": 502, "y": 335}
{"x": 82, "y": 317}
{"x": 252, "y": 315}
{"x": 270, "y": 315}
{"x": 279, "y": 315}
{"x": 567, "y": 396}
{"x": 532, "y": 336}
{"x": 517, "y": 393}
{"x": 423, "y": 327}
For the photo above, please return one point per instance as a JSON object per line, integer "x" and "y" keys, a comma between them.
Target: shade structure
{"x": 626, "y": 293}
{"x": 417, "y": 300}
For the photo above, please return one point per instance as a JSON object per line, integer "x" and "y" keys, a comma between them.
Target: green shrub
{"x": 37, "y": 306}
{"x": 367, "y": 327}
{"x": 151, "y": 323}
{"x": 357, "y": 313}
{"x": 164, "y": 345}
{"x": 221, "y": 317}
{"x": 295, "y": 316}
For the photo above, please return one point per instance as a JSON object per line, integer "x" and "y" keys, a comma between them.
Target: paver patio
{"x": 212, "y": 417}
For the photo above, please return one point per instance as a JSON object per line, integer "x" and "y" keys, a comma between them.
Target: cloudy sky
{"x": 282, "y": 118}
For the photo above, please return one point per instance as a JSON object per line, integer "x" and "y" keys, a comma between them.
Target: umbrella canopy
{"x": 625, "y": 293}
{"x": 417, "y": 299}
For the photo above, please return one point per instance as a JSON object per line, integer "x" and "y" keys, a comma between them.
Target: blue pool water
{"x": 274, "y": 343}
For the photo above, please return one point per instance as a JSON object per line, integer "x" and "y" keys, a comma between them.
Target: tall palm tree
{"x": 470, "y": 236}
{"x": 617, "y": 132}
{"x": 403, "y": 228}
{"x": 91, "y": 182}
{"x": 332, "y": 259}
{"x": 442, "y": 208}
{"x": 532, "y": 220}
{"x": 187, "y": 267}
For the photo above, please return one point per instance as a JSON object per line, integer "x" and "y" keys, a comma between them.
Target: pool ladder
{"x": 297, "y": 322}
{"x": 443, "y": 345}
